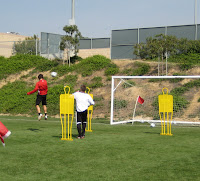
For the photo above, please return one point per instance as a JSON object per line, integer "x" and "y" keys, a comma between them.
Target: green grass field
{"x": 34, "y": 151}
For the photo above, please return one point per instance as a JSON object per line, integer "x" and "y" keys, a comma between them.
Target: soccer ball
{"x": 152, "y": 125}
{"x": 53, "y": 74}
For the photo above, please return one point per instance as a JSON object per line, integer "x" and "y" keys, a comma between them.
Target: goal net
{"x": 129, "y": 92}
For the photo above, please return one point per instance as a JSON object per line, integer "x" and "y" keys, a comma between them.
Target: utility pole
{"x": 72, "y": 20}
{"x": 195, "y": 18}
{"x": 195, "y": 12}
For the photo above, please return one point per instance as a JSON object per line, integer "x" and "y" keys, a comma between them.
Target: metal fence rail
{"x": 122, "y": 41}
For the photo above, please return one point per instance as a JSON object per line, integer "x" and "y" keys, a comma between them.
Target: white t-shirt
{"x": 83, "y": 101}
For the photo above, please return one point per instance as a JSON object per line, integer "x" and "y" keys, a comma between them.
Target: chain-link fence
{"x": 123, "y": 40}
{"x": 9, "y": 48}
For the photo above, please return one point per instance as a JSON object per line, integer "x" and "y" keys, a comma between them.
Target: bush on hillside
{"x": 112, "y": 69}
{"x": 90, "y": 64}
{"x": 138, "y": 69}
{"x": 14, "y": 99}
{"x": 142, "y": 68}
{"x": 75, "y": 59}
{"x": 96, "y": 82}
{"x": 20, "y": 62}
{"x": 85, "y": 67}
{"x": 70, "y": 80}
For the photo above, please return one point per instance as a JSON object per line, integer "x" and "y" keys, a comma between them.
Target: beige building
{"x": 7, "y": 41}
{"x": 84, "y": 53}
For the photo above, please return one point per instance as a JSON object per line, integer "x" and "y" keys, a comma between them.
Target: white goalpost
{"x": 135, "y": 98}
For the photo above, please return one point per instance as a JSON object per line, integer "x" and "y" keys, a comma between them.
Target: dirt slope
{"x": 102, "y": 108}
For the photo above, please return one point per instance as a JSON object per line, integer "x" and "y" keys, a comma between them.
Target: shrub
{"x": 99, "y": 105}
{"x": 185, "y": 66}
{"x": 142, "y": 68}
{"x": 109, "y": 78}
{"x": 139, "y": 68}
{"x": 120, "y": 103}
{"x": 128, "y": 83}
{"x": 188, "y": 59}
{"x": 90, "y": 64}
{"x": 63, "y": 69}
{"x": 127, "y": 71}
{"x": 18, "y": 63}
{"x": 14, "y": 99}
{"x": 179, "y": 103}
{"x": 96, "y": 82}
{"x": 177, "y": 79}
{"x": 70, "y": 80}
{"x": 98, "y": 98}
{"x": 75, "y": 59}
{"x": 112, "y": 69}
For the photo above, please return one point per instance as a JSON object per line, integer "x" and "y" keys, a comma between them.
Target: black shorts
{"x": 82, "y": 117}
{"x": 41, "y": 98}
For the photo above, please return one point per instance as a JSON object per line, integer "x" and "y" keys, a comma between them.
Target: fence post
{"x": 48, "y": 44}
{"x": 40, "y": 46}
{"x": 111, "y": 45}
{"x": 36, "y": 46}
{"x": 196, "y": 31}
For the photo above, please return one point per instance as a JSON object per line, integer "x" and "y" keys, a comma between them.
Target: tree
{"x": 159, "y": 46}
{"x": 71, "y": 40}
{"x": 27, "y": 46}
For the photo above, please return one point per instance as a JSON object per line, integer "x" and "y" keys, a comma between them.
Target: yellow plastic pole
{"x": 89, "y": 113}
{"x": 164, "y": 123}
{"x": 62, "y": 126}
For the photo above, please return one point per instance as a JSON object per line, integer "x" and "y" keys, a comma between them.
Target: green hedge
{"x": 18, "y": 63}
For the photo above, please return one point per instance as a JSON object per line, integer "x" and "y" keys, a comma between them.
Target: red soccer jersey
{"x": 41, "y": 87}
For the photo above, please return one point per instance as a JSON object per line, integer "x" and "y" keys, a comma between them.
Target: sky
{"x": 94, "y": 18}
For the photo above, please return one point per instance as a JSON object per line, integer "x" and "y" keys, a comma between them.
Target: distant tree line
{"x": 165, "y": 45}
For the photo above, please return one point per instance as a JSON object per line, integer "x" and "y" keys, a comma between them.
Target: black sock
{"x": 79, "y": 129}
{"x": 39, "y": 114}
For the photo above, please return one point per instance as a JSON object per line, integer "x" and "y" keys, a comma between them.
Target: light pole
{"x": 195, "y": 12}
{"x": 72, "y": 20}
{"x": 195, "y": 17}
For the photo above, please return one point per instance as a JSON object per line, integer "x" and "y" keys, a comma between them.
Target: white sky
{"x": 94, "y": 18}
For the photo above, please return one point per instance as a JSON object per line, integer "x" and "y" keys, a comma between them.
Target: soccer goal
{"x": 135, "y": 98}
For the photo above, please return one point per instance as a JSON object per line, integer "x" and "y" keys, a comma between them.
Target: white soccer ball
{"x": 152, "y": 125}
{"x": 53, "y": 74}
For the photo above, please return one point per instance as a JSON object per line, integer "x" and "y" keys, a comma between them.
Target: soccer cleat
{"x": 83, "y": 136}
{"x": 39, "y": 117}
{"x": 45, "y": 117}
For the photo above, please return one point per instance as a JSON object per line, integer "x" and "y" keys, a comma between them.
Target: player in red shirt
{"x": 42, "y": 88}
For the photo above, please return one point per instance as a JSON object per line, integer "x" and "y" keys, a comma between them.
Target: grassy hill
{"x": 18, "y": 75}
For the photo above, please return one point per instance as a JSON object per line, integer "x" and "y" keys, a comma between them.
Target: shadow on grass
{"x": 33, "y": 129}
{"x": 60, "y": 136}
{"x": 151, "y": 133}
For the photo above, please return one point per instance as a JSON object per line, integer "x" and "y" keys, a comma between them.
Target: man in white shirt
{"x": 83, "y": 101}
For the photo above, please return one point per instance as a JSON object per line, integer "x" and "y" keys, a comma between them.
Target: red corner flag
{"x": 140, "y": 100}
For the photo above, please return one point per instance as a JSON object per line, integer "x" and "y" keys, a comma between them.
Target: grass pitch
{"x": 34, "y": 151}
